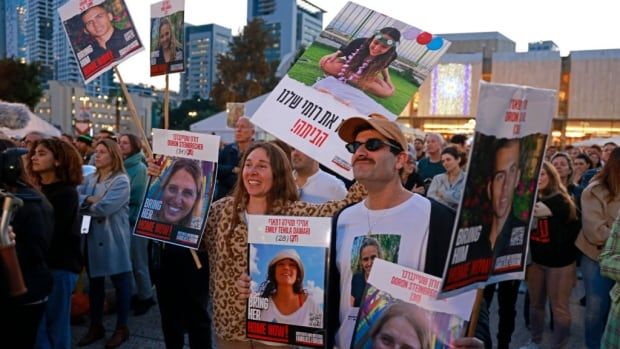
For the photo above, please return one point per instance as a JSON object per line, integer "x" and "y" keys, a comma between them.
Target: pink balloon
{"x": 424, "y": 38}
{"x": 411, "y": 33}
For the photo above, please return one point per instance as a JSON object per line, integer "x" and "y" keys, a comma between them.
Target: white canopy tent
{"x": 217, "y": 123}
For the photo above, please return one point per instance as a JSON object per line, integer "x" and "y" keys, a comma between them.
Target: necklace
{"x": 371, "y": 226}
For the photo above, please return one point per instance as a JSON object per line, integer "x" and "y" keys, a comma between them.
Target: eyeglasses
{"x": 372, "y": 144}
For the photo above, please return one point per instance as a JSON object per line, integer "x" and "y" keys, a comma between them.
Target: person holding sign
{"x": 169, "y": 48}
{"x": 378, "y": 147}
{"x": 265, "y": 186}
{"x": 182, "y": 289}
{"x": 362, "y": 61}
{"x": 284, "y": 288}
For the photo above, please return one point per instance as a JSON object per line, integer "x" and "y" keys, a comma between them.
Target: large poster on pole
{"x": 400, "y": 308}
{"x": 167, "y": 37}
{"x": 176, "y": 204}
{"x": 490, "y": 239}
{"x": 364, "y": 62}
{"x": 101, "y": 34}
{"x": 288, "y": 256}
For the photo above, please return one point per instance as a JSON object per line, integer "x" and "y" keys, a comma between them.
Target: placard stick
{"x": 166, "y": 105}
{"x": 473, "y": 321}
{"x": 136, "y": 120}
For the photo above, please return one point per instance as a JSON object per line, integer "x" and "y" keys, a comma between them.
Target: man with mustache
{"x": 389, "y": 212}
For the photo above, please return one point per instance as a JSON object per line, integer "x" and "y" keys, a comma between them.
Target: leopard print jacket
{"x": 228, "y": 254}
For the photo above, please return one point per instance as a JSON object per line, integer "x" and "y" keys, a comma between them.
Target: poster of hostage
{"x": 288, "y": 267}
{"x": 167, "y": 37}
{"x": 489, "y": 242}
{"x": 400, "y": 305}
{"x": 101, "y": 34}
{"x": 176, "y": 204}
{"x": 364, "y": 62}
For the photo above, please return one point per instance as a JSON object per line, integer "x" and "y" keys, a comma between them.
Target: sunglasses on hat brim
{"x": 386, "y": 41}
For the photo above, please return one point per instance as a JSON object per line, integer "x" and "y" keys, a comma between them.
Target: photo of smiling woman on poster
{"x": 289, "y": 302}
{"x": 169, "y": 49}
{"x": 364, "y": 62}
{"x": 181, "y": 190}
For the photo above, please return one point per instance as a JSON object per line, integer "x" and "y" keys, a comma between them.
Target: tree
{"x": 19, "y": 82}
{"x": 189, "y": 112}
{"x": 243, "y": 72}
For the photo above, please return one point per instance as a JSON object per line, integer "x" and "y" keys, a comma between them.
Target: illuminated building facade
{"x": 588, "y": 85}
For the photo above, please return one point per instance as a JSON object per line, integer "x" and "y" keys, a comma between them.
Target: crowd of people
{"x": 406, "y": 188}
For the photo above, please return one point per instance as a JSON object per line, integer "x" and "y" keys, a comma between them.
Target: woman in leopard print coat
{"x": 266, "y": 186}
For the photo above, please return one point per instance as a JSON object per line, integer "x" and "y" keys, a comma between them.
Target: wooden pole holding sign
{"x": 166, "y": 105}
{"x": 475, "y": 313}
{"x": 136, "y": 120}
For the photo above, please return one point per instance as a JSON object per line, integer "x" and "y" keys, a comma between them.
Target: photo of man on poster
{"x": 500, "y": 189}
{"x": 103, "y": 35}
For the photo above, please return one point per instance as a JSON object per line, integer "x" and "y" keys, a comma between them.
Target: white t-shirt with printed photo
{"x": 405, "y": 225}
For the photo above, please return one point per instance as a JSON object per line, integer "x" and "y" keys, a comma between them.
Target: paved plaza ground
{"x": 146, "y": 330}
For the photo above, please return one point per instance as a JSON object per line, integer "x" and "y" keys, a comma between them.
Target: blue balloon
{"x": 435, "y": 44}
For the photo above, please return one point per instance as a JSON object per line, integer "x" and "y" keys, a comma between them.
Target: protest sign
{"x": 288, "y": 254}
{"x": 176, "y": 204}
{"x": 167, "y": 37}
{"x": 364, "y": 62}
{"x": 400, "y": 305}
{"x": 489, "y": 242}
{"x": 101, "y": 34}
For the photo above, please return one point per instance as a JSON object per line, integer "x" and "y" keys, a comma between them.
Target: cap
{"x": 85, "y": 138}
{"x": 291, "y": 254}
{"x": 389, "y": 129}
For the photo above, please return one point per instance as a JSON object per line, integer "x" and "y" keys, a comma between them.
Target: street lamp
{"x": 119, "y": 100}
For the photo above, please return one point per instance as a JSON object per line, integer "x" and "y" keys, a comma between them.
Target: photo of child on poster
{"x": 368, "y": 61}
{"x": 101, "y": 34}
{"x": 167, "y": 37}
{"x": 177, "y": 202}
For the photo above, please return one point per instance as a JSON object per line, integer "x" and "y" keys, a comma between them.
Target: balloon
{"x": 435, "y": 44}
{"x": 411, "y": 33}
{"x": 424, "y": 38}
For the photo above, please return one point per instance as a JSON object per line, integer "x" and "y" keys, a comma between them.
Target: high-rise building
{"x": 2, "y": 29}
{"x": 203, "y": 44}
{"x": 14, "y": 29}
{"x": 292, "y": 23}
{"x": 39, "y": 39}
{"x": 65, "y": 65}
